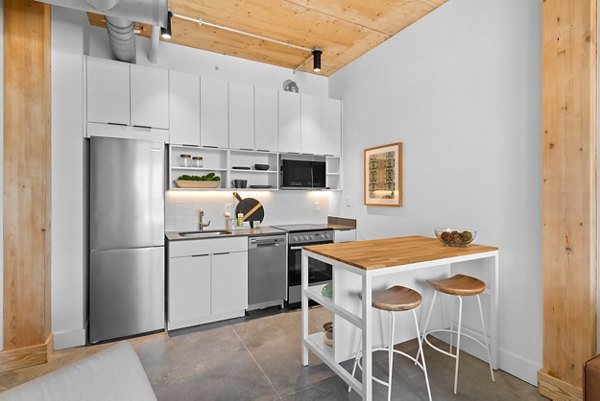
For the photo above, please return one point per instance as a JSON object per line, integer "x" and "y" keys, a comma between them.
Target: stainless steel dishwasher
{"x": 267, "y": 271}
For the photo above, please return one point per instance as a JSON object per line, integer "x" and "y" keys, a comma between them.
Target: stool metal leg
{"x": 420, "y": 341}
{"x": 356, "y": 360}
{"x": 391, "y": 355}
{"x": 485, "y": 338}
{"x": 460, "y": 302}
{"x": 451, "y": 323}
{"x": 427, "y": 321}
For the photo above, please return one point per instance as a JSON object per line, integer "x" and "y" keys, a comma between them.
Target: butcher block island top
{"x": 389, "y": 252}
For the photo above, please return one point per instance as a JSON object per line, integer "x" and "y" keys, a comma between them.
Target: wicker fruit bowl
{"x": 197, "y": 184}
{"x": 453, "y": 237}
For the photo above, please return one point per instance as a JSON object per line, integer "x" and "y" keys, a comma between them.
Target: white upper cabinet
{"x": 332, "y": 127}
{"x": 310, "y": 138}
{"x": 149, "y": 97}
{"x": 213, "y": 113}
{"x": 289, "y": 122}
{"x": 265, "y": 119}
{"x": 184, "y": 110}
{"x": 107, "y": 91}
{"x": 241, "y": 116}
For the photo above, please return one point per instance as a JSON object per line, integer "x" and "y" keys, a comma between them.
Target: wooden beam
{"x": 569, "y": 104}
{"x": 27, "y": 186}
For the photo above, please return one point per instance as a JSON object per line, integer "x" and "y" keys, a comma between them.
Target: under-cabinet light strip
{"x": 252, "y": 35}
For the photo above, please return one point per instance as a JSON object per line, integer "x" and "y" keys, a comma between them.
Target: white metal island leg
{"x": 367, "y": 335}
{"x": 304, "y": 308}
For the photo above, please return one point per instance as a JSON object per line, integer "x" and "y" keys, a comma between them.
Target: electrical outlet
{"x": 228, "y": 207}
{"x": 348, "y": 203}
{"x": 317, "y": 207}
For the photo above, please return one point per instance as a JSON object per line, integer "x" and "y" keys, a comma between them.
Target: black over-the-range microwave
{"x": 298, "y": 174}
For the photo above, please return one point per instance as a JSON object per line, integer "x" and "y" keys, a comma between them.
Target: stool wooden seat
{"x": 395, "y": 299}
{"x": 459, "y": 285}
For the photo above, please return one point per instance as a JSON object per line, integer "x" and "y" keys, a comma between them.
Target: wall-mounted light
{"x": 165, "y": 33}
{"x": 316, "y": 52}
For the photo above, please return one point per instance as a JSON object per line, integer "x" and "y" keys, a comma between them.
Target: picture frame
{"x": 382, "y": 175}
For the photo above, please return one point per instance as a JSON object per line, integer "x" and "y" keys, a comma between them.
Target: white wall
{"x": 461, "y": 89}
{"x": 194, "y": 61}
{"x": 69, "y": 247}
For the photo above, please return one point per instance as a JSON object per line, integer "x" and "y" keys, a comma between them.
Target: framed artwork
{"x": 383, "y": 175}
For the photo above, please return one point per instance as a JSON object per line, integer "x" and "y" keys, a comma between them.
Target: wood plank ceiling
{"x": 344, "y": 29}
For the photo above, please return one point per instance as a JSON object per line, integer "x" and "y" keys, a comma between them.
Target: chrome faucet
{"x": 202, "y": 224}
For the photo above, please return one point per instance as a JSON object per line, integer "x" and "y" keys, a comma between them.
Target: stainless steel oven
{"x": 318, "y": 272}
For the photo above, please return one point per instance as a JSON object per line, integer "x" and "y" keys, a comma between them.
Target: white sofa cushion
{"x": 114, "y": 374}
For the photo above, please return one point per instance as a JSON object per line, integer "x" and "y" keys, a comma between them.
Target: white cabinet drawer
{"x": 344, "y": 236}
{"x": 207, "y": 246}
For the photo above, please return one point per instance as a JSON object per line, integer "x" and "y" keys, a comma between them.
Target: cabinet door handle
{"x": 198, "y": 256}
{"x": 222, "y": 253}
{"x": 295, "y": 248}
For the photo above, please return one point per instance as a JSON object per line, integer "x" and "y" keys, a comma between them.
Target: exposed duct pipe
{"x": 152, "y": 12}
{"x": 121, "y": 38}
{"x": 154, "y": 41}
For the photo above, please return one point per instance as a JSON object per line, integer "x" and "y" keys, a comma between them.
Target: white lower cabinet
{"x": 207, "y": 281}
{"x": 189, "y": 290}
{"x": 229, "y": 282}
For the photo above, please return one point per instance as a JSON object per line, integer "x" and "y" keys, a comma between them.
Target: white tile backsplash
{"x": 281, "y": 207}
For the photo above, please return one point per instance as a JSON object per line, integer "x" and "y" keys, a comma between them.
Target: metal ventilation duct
{"x": 120, "y": 16}
{"x": 153, "y": 12}
{"x": 121, "y": 37}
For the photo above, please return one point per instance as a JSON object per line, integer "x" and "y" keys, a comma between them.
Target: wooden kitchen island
{"x": 359, "y": 267}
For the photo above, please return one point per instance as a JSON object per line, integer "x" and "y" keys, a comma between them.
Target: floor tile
{"x": 275, "y": 344}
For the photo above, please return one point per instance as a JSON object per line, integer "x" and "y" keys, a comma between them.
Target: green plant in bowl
{"x": 207, "y": 177}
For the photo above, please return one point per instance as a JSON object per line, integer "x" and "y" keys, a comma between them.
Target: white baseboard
{"x": 520, "y": 367}
{"x": 69, "y": 339}
{"x": 509, "y": 362}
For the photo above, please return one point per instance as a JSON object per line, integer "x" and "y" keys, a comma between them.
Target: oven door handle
{"x": 295, "y": 248}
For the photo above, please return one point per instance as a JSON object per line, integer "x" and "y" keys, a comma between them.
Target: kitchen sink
{"x": 204, "y": 233}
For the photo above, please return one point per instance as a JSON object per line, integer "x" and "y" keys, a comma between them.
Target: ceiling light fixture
{"x": 166, "y": 33}
{"x": 316, "y": 53}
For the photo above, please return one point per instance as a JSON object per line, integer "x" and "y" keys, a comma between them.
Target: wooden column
{"x": 569, "y": 194}
{"x": 27, "y": 184}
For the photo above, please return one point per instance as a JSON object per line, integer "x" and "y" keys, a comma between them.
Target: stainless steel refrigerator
{"x": 126, "y": 280}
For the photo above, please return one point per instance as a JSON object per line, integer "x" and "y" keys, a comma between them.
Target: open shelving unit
{"x": 222, "y": 162}
{"x": 333, "y": 178}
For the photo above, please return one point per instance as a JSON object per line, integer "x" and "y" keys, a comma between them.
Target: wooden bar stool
{"x": 458, "y": 286}
{"x": 395, "y": 299}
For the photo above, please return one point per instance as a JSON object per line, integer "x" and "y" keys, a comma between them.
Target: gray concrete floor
{"x": 259, "y": 359}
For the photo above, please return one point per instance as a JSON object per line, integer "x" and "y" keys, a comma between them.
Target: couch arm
{"x": 114, "y": 374}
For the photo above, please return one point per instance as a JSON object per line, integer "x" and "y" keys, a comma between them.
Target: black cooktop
{"x": 294, "y": 228}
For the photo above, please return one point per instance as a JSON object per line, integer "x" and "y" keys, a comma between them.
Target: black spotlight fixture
{"x": 165, "y": 33}
{"x": 316, "y": 52}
